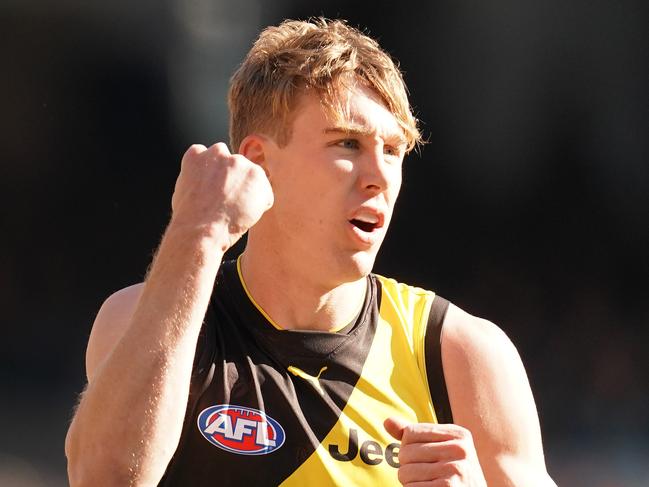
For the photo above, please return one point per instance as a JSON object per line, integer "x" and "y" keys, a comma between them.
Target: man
{"x": 295, "y": 365}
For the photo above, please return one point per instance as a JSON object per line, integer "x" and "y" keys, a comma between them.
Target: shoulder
{"x": 490, "y": 394}
{"x": 481, "y": 364}
{"x": 110, "y": 324}
{"x": 469, "y": 337}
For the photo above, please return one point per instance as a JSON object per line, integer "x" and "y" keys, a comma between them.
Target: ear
{"x": 254, "y": 148}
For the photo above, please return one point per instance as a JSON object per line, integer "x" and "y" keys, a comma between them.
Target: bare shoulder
{"x": 476, "y": 341}
{"x": 111, "y": 322}
{"x": 483, "y": 371}
{"x": 490, "y": 395}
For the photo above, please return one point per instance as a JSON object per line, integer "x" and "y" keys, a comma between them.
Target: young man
{"x": 295, "y": 365}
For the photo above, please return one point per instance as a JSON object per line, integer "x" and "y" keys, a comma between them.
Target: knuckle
{"x": 463, "y": 434}
{"x": 458, "y": 450}
{"x": 242, "y": 163}
{"x": 194, "y": 150}
{"x": 405, "y": 454}
{"x": 455, "y": 468}
{"x": 238, "y": 158}
{"x": 402, "y": 475}
{"x": 467, "y": 435}
{"x": 219, "y": 149}
{"x": 256, "y": 172}
{"x": 408, "y": 433}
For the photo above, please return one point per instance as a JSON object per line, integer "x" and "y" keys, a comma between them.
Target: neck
{"x": 296, "y": 298}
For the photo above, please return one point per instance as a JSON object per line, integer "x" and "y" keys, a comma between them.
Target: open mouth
{"x": 365, "y": 226}
{"x": 367, "y": 222}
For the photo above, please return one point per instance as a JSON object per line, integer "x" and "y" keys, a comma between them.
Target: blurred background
{"x": 529, "y": 205}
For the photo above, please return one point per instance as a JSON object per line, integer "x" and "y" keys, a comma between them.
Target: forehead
{"x": 355, "y": 110}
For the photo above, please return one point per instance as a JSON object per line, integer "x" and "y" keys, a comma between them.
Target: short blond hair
{"x": 324, "y": 55}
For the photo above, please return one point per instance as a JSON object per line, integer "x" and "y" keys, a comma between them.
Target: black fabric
{"x": 242, "y": 360}
{"x": 433, "y": 355}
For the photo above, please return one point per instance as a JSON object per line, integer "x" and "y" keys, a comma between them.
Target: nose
{"x": 377, "y": 174}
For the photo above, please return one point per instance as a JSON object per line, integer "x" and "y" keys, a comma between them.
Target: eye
{"x": 393, "y": 151}
{"x": 351, "y": 144}
{"x": 390, "y": 150}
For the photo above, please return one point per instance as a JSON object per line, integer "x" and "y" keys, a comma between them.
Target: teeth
{"x": 367, "y": 218}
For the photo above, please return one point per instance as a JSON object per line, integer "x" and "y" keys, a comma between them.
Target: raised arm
{"x": 141, "y": 350}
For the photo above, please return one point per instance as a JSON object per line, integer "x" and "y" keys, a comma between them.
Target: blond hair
{"x": 324, "y": 55}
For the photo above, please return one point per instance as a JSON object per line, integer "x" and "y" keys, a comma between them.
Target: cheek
{"x": 399, "y": 179}
{"x": 395, "y": 185}
{"x": 342, "y": 167}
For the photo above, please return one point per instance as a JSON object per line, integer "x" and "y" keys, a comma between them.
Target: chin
{"x": 358, "y": 265}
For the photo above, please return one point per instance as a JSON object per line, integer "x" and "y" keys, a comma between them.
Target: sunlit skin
{"x": 328, "y": 174}
{"x": 317, "y": 209}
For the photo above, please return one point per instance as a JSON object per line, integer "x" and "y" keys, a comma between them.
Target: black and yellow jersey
{"x": 269, "y": 406}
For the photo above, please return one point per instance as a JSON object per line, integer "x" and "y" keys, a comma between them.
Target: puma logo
{"x": 315, "y": 381}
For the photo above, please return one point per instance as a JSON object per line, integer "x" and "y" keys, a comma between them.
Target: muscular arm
{"x": 140, "y": 355}
{"x": 491, "y": 397}
{"x": 495, "y": 439}
{"x": 128, "y": 424}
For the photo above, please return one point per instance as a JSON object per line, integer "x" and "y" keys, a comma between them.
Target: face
{"x": 335, "y": 186}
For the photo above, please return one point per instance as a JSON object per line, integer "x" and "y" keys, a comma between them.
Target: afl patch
{"x": 241, "y": 430}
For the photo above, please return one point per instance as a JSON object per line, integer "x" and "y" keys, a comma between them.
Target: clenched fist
{"x": 436, "y": 455}
{"x": 219, "y": 189}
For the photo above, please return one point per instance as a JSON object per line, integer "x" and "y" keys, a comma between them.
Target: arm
{"x": 496, "y": 438}
{"x": 491, "y": 397}
{"x": 141, "y": 351}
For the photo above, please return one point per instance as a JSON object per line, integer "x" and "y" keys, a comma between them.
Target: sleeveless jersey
{"x": 269, "y": 406}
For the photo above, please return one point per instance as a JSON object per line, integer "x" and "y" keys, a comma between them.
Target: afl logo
{"x": 240, "y": 430}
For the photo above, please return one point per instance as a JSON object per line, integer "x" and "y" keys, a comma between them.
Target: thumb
{"x": 395, "y": 427}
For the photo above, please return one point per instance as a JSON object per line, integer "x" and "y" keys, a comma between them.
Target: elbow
{"x": 93, "y": 465}
{"x": 91, "y": 472}
{"x": 90, "y": 467}
{"x": 97, "y": 457}
{"x": 78, "y": 476}
{"x": 79, "y": 472}
{"x": 82, "y": 476}
{"x": 75, "y": 475}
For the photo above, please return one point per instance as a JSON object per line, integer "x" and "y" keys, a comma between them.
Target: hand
{"x": 435, "y": 454}
{"x": 215, "y": 187}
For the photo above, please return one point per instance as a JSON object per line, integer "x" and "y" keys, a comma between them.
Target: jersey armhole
{"x": 431, "y": 362}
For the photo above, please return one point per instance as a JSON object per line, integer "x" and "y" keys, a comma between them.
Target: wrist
{"x": 214, "y": 236}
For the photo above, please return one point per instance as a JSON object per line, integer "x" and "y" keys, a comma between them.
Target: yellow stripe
{"x": 391, "y": 384}
{"x": 252, "y": 300}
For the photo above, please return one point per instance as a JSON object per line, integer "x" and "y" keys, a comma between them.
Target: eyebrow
{"x": 363, "y": 130}
{"x": 349, "y": 129}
